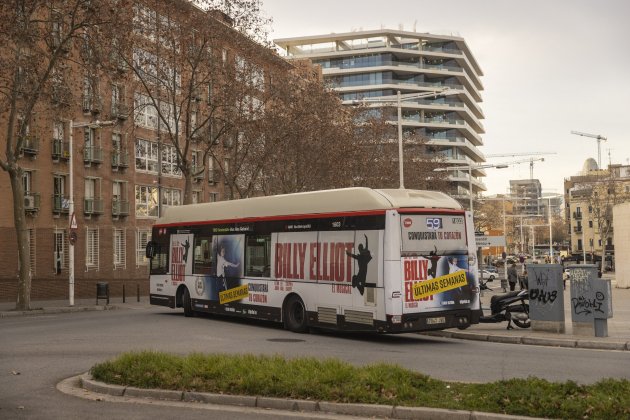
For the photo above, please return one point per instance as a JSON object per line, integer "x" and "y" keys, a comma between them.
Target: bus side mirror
{"x": 150, "y": 249}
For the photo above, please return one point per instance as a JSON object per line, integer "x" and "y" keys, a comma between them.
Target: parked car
{"x": 488, "y": 275}
{"x": 489, "y": 268}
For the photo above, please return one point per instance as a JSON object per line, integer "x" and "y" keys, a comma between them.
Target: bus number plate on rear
{"x": 436, "y": 320}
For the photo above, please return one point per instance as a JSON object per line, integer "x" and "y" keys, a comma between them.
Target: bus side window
{"x": 203, "y": 255}
{"x": 159, "y": 251}
{"x": 258, "y": 256}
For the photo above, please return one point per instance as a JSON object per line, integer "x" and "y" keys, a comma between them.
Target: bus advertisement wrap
{"x": 437, "y": 282}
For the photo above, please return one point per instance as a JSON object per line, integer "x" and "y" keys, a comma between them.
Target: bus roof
{"x": 345, "y": 200}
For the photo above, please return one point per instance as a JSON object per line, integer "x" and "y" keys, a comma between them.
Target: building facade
{"x": 368, "y": 65}
{"x": 590, "y": 197}
{"x": 125, "y": 171}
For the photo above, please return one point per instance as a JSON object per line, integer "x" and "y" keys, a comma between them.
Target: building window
{"x": 197, "y": 197}
{"x": 60, "y": 201}
{"x": 170, "y": 161}
{"x": 146, "y": 201}
{"x": 171, "y": 197}
{"x": 93, "y": 203}
{"x": 143, "y": 236}
{"x": 59, "y": 254}
{"x": 120, "y": 249}
{"x": 213, "y": 197}
{"x": 145, "y": 113}
{"x": 146, "y": 156}
{"x": 590, "y": 223}
{"x": 91, "y": 251}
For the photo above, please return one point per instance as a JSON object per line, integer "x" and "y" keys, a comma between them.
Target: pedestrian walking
{"x": 512, "y": 276}
{"x": 523, "y": 280}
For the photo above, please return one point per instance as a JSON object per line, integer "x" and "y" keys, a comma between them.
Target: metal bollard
{"x": 123, "y": 293}
{"x": 138, "y": 292}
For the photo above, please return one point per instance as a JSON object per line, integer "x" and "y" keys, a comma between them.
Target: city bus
{"x": 353, "y": 259}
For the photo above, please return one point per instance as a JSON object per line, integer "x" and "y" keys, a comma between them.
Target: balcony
{"x": 120, "y": 208}
{"x": 92, "y": 206}
{"x": 577, "y": 215}
{"x": 30, "y": 145}
{"x": 92, "y": 155}
{"x": 91, "y": 103}
{"x": 197, "y": 172}
{"x": 214, "y": 176}
{"x": 577, "y": 229}
{"x": 60, "y": 204}
{"x": 31, "y": 201}
{"x": 60, "y": 150}
{"x": 120, "y": 159}
{"x": 120, "y": 111}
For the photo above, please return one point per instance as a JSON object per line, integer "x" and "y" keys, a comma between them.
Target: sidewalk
{"x": 618, "y": 326}
{"x": 7, "y": 309}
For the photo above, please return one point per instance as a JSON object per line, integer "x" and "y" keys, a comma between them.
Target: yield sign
{"x": 73, "y": 221}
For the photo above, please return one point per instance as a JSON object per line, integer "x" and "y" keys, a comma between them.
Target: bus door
{"x": 434, "y": 263}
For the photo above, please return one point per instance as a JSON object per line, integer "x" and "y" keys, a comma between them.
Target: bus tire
{"x": 187, "y": 304}
{"x": 295, "y": 317}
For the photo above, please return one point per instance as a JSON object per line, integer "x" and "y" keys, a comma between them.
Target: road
{"x": 37, "y": 352}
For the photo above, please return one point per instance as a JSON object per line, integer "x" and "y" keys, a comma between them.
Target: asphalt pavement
{"x": 618, "y": 326}
{"x": 618, "y": 339}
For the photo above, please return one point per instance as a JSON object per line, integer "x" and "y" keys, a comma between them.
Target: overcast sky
{"x": 550, "y": 66}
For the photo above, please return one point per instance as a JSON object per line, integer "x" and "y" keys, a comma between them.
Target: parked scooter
{"x": 510, "y": 306}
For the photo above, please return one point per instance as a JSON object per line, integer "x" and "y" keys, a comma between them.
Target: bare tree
{"x": 36, "y": 45}
{"x": 185, "y": 61}
{"x": 601, "y": 192}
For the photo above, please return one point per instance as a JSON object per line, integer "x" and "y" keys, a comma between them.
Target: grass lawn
{"x": 337, "y": 381}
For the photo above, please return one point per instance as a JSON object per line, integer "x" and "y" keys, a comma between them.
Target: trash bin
{"x": 102, "y": 291}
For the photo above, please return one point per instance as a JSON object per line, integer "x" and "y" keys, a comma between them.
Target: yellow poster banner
{"x": 231, "y": 295}
{"x": 440, "y": 284}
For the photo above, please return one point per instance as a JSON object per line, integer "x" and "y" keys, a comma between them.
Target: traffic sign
{"x": 73, "y": 237}
{"x": 73, "y": 221}
{"x": 486, "y": 241}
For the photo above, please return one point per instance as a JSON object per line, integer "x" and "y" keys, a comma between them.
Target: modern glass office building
{"x": 368, "y": 65}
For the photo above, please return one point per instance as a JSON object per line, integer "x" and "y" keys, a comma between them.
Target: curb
{"x": 536, "y": 341}
{"x": 365, "y": 410}
{"x": 46, "y": 311}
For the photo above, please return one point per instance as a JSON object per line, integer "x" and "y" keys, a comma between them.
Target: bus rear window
{"x": 203, "y": 255}
{"x": 433, "y": 233}
{"x": 258, "y": 256}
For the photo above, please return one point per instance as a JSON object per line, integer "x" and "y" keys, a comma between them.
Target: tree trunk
{"x": 24, "y": 277}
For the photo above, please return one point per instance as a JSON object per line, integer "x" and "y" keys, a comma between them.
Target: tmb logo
{"x": 407, "y": 222}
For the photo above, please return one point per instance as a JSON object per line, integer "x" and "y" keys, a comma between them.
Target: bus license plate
{"x": 436, "y": 320}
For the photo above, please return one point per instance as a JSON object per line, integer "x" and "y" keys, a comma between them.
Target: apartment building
{"x": 379, "y": 64}
{"x": 124, "y": 170}
{"x": 590, "y": 197}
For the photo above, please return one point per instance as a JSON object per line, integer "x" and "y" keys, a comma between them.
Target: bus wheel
{"x": 295, "y": 315}
{"x": 188, "y": 310}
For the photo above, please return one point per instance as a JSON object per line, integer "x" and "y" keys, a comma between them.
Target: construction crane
{"x": 599, "y": 144}
{"x": 530, "y": 160}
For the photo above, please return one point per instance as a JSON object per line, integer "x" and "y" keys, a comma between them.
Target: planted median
{"x": 337, "y": 381}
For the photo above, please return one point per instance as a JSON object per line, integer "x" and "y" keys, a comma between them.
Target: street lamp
{"x": 398, "y": 100}
{"x": 95, "y": 124}
{"x": 470, "y": 168}
{"x": 550, "y": 227}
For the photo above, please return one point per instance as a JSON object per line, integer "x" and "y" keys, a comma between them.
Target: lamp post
{"x": 470, "y": 168}
{"x": 72, "y": 126}
{"x": 398, "y": 100}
